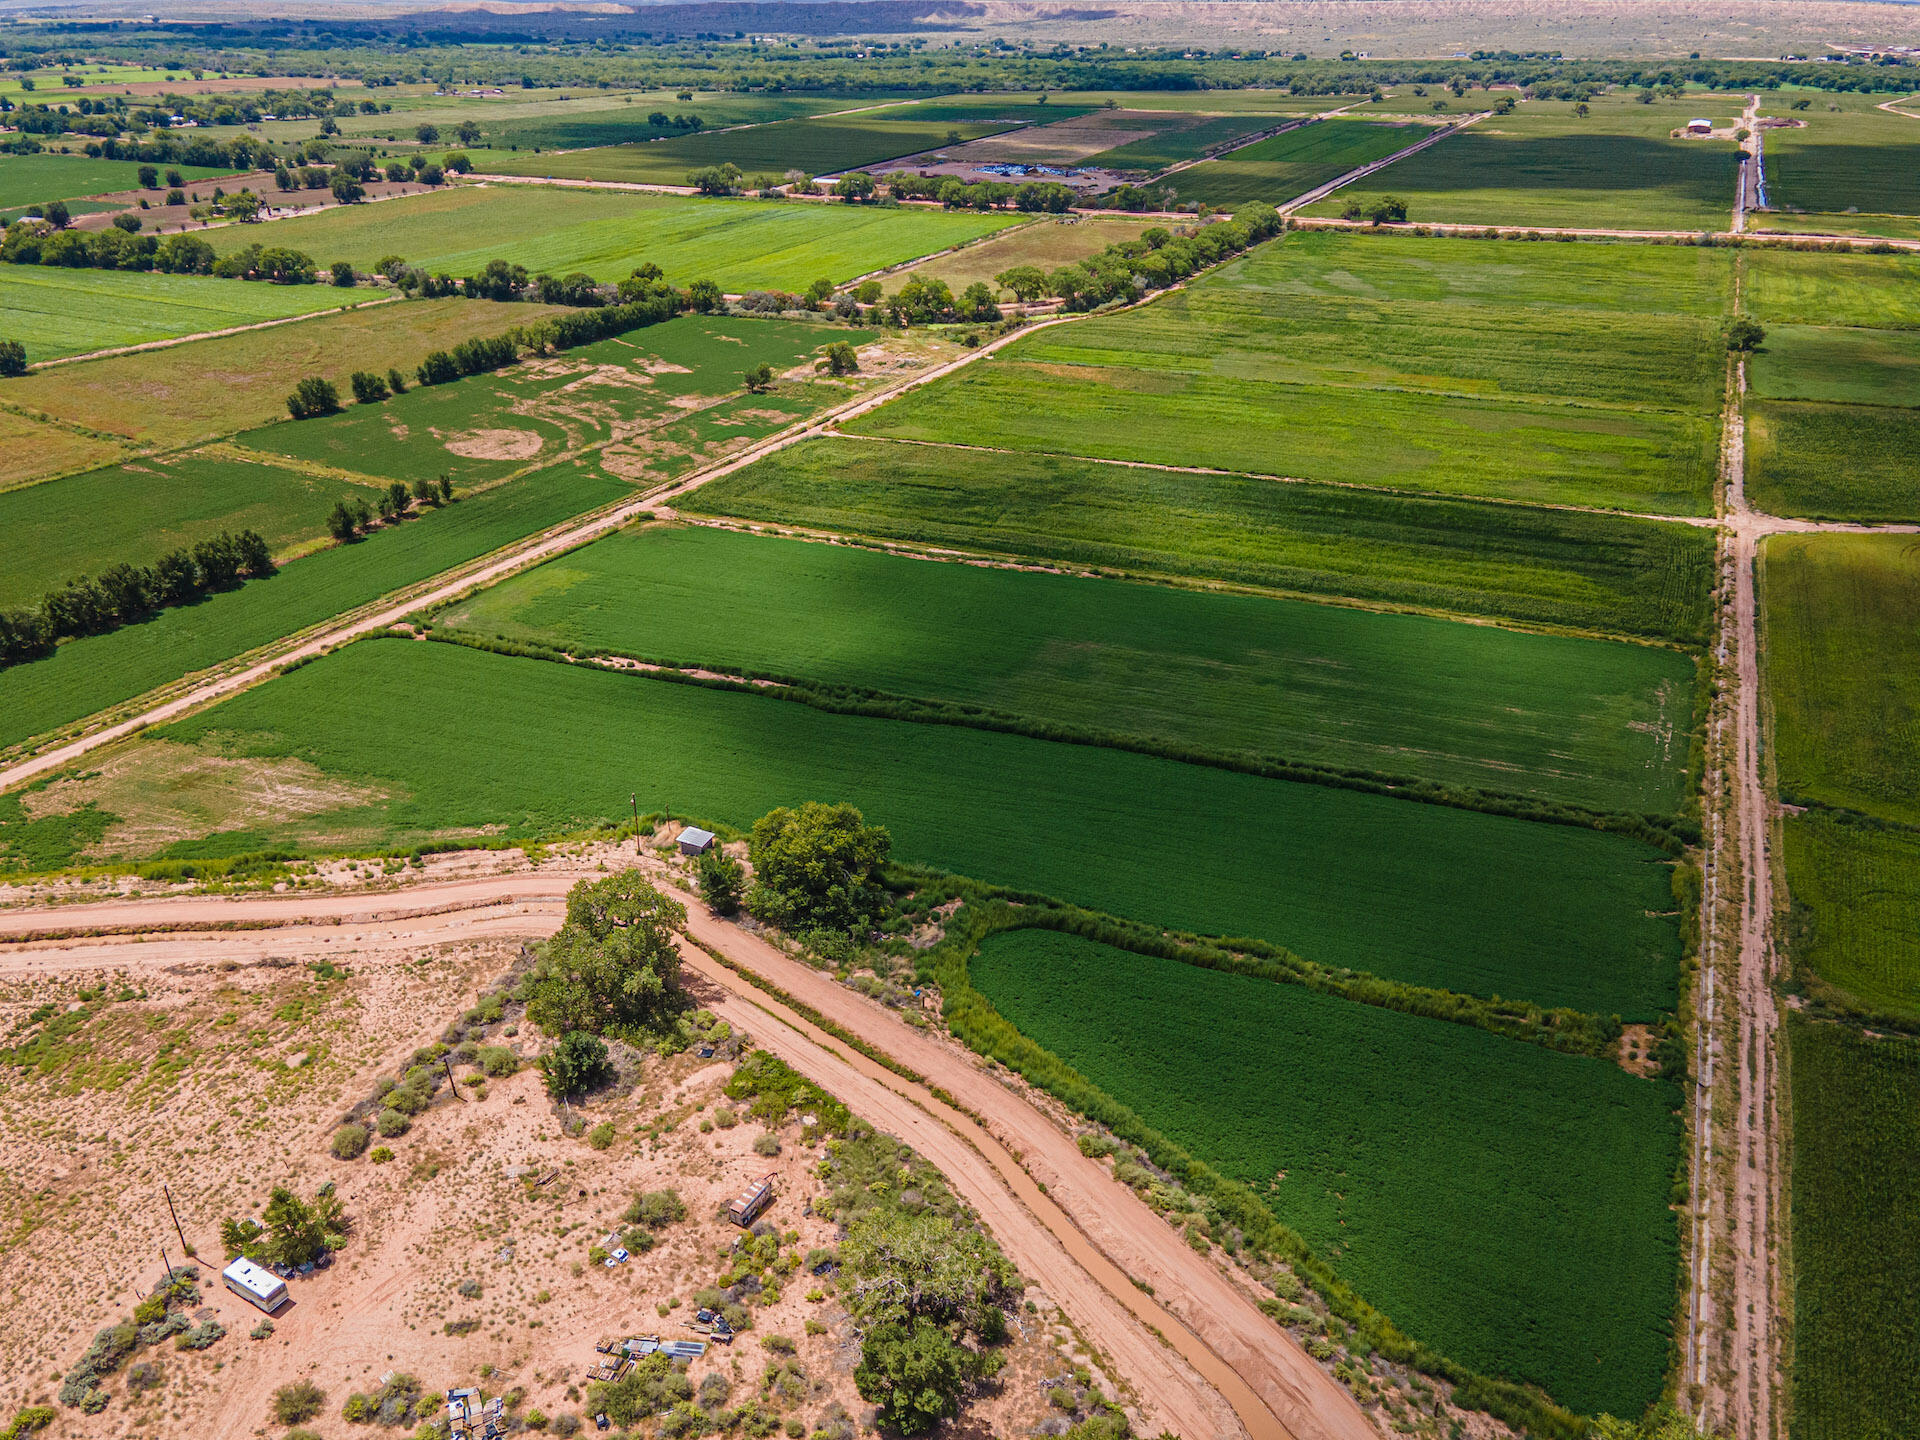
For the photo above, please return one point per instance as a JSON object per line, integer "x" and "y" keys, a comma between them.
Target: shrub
{"x": 779, "y": 1344}
{"x": 577, "y": 1062}
{"x": 147, "y": 1375}
{"x": 381, "y": 1154}
{"x": 714, "y": 1390}
{"x": 368, "y": 388}
{"x": 13, "y": 358}
{"x": 767, "y": 1143}
{"x": 722, "y": 881}
{"x": 657, "y": 1209}
{"x": 262, "y": 1330}
{"x": 725, "y": 1118}
{"x": 392, "y": 1123}
{"x": 564, "y": 1425}
{"x": 497, "y": 1061}
{"x": 470, "y": 1289}
{"x": 298, "y": 1401}
{"x": 153, "y": 1308}
{"x": 201, "y": 1336}
{"x": 601, "y": 1136}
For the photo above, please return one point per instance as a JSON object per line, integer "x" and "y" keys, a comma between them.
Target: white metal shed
{"x": 255, "y": 1284}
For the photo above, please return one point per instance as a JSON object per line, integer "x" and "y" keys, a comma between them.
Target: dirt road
{"x": 1320, "y": 192}
{"x": 1196, "y": 1343}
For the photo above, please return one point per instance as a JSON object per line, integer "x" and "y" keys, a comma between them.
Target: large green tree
{"x": 614, "y": 967}
{"x": 815, "y": 867}
{"x": 916, "y": 1373}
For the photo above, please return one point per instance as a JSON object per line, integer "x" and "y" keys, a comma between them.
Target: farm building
{"x": 1699, "y": 127}
{"x": 255, "y": 1284}
{"x": 695, "y": 841}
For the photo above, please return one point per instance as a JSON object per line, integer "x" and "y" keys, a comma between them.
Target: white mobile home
{"x": 255, "y": 1284}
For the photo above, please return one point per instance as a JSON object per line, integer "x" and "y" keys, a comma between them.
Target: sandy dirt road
{"x": 1196, "y": 1345}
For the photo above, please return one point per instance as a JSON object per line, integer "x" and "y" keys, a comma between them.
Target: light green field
{"x": 1543, "y": 165}
{"x": 136, "y": 513}
{"x": 1785, "y": 287}
{"x": 1856, "y": 1233}
{"x": 1843, "y": 670}
{"x": 742, "y": 244}
{"x": 1833, "y": 462}
{"x": 56, "y": 312}
{"x": 1844, "y": 366}
{"x": 1578, "y": 720}
{"x": 1864, "y": 226}
{"x": 1573, "y": 375}
{"x": 35, "y": 179}
{"x": 634, "y": 396}
{"x": 1048, "y": 243}
{"x": 1590, "y": 572}
{"x": 1851, "y": 159}
{"x": 601, "y": 121}
{"x": 1427, "y": 893}
{"x": 1278, "y": 169}
{"x": 1502, "y": 1203}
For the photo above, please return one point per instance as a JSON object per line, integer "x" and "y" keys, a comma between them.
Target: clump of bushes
{"x": 394, "y": 1403}
{"x": 301, "y": 1400}
{"x": 349, "y": 1142}
{"x": 392, "y": 1123}
{"x": 152, "y": 1321}
{"x": 656, "y": 1209}
{"x": 200, "y": 1336}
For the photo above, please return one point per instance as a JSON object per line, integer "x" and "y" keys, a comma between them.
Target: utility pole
{"x": 185, "y": 1248}
{"x": 451, "y": 1081}
{"x": 167, "y": 1264}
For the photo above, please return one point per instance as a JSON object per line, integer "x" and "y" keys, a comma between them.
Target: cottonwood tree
{"x": 815, "y": 868}
{"x": 614, "y": 967}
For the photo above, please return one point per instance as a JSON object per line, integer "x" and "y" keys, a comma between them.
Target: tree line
{"x": 1157, "y": 259}
{"x": 126, "y": 594}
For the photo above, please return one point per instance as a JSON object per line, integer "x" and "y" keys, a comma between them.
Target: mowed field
{"x": 1856, "y": 1233}
{"x": 211, "y": 388}
{"x": 1853, "y": 157}
{"x": 56, "y": 312}
{"x": 817, "y": 146}
{"x": 137, "y": 512}
{"x": 638, "y": 398}
{"x": 1048, "y": 243}
{"x": 577, "y": 125}
{"x": 1555, "y": 567}
{"x": 1500, "y": 1202}
{"x": 1424, "y": 893}
{"x": 1587, "y": 376}
{"x": 1285, "y": 166}
{"x": 1833, "y": 462}
{"x": 1617, "y": 167}
{"x": 1584, "y": 721}
{"x": 742, "y": 244}
{"x": 1841, "y": 665}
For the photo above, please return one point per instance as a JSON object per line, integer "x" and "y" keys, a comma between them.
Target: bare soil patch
{"x": 496, "y": 444}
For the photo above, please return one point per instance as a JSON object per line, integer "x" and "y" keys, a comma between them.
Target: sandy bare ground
{"x": 1222, "y": 1367}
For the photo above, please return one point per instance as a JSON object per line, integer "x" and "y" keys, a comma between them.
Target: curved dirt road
{"x": 1206, "y": 1361}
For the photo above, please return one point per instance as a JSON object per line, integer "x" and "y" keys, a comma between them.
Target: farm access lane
{"x": 1111, "y": 1237}
{"x": 462, "y": 580}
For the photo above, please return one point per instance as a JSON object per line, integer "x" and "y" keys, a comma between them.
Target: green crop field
{"x": 1842, "y": 366}
{"x": 1868, "y": 227}
{"x": 1832, "y": 462}
{"x": 1580, "y": 720}
{"x": 1847, "y": 159}
{"x": 1278, "y": 169}
{"x": 1856, "y": 1234}
{"x": 56, "y": 312}
{"x": 137, "y": 512}
{"x": 35, "y": 179}
{"x": 818, "y": 147}
{"x": 742, "y": 244}
{"x": 621, "y": 394}
{"x": 1592, "y": 572}
{"x": 1425, "y": 893}
{"x": 1842, "y": 649}
{"x": 1785, "y": 287}
{"x": 1856, "y": 909}
{"x": 1505, "y": 1204}
{"x": 84, "y": 677}
{"x": 1488, "y": 368}
{"x": 1543, "y": 165}
{"x": 210, "y": 388}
